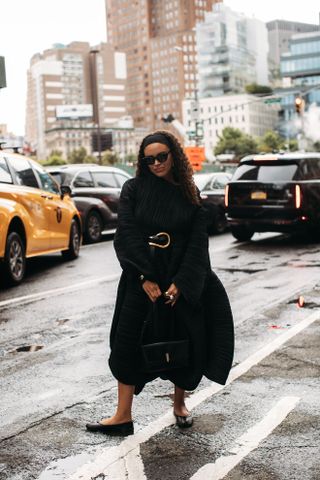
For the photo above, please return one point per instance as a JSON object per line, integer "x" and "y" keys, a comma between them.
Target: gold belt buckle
{"x": 153, "y": 244}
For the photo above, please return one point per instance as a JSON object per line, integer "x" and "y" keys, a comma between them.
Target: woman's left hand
{"x": 172, "y": 294}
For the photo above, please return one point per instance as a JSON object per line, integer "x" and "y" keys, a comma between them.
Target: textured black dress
{"x": 149, "y": 205}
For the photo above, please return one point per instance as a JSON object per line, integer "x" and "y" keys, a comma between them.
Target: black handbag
{"x": 172, "y": 352}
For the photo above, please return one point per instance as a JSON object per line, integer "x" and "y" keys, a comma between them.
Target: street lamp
{"x": 95, "y": 98}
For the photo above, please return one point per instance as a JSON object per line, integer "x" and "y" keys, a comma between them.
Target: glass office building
{"x": 232, "y": 52}
{"x": 301, "y": 65}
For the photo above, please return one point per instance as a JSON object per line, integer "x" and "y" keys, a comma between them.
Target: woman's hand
{"x": 172, "y": 294}
{"x": 152, "y": 290}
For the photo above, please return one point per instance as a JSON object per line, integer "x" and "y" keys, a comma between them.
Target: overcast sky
{"x": 31, "y": 26}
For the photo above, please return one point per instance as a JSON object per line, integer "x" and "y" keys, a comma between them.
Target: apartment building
{"x": 71, "y": 88}
{"x": 246, "y": 112}
{"x": 158, "y": 37}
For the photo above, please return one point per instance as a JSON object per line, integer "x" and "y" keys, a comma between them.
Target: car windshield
{"x": 63, "y": 178}
{"x": 267, "y": 173}
{"x": 201, "y": 180}
{"x": 5, "y": 176}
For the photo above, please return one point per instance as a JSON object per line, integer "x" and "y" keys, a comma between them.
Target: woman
{"x": 163, "y": 198}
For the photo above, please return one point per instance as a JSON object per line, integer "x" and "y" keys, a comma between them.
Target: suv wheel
{"x": 220, "y": 223}
{"x": 242, "y": 233}
{"x": 15, "y": 259}
{"x": 74, "y": 242}
{"x": 93, "y": 230}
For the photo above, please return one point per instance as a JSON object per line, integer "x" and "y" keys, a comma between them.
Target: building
{"x": 279, "y": 34}
{"x": 232, "y": 52}
{"x": 158, "y": 37}
{"x": 300, "y": 71}
{"x": 246, "y": 112}
{"x": 72, "y": 88}
{"x": 8, "y": 139}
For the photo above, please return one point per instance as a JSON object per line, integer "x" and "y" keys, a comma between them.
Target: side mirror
{"x": 65, "y": 190}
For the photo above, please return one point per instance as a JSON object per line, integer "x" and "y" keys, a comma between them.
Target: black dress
{"x": 149, "y": 205}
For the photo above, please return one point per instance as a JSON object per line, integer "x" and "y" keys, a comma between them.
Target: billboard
{"x": 74, "y": 112}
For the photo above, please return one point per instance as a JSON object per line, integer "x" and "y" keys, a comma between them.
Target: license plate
{"x": 258, "y": 195}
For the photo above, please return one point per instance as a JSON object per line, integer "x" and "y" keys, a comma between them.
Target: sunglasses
{"x": 161, "y": 157}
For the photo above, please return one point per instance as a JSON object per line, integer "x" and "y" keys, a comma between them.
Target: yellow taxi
{"x": 36, "y": 216}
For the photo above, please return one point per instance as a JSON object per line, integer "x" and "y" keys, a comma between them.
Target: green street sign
{"x": 273, "y": 100}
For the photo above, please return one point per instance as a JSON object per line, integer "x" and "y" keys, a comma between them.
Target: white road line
{"x": 247, "y": 442}
{"x": 108, "y": 457}
{"x": 58, "y": 291}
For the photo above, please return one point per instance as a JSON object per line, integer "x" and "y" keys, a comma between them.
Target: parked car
{"x": 278, "y": 193}
{"x": 95, "y": 190}
{"x": 212, "y": 192}
{"x": 36, "y": 216}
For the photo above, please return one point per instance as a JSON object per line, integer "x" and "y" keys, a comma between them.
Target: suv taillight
{"x": 226, "y": 195}
{"x": 297, "y": 196}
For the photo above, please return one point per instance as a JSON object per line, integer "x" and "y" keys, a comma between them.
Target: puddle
{"x": 64, "y": 467}
{"x": 28, "y": 348}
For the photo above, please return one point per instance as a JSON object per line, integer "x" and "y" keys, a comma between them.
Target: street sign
{"x": 195, "y": 156}
{"x": 273, "y": 100}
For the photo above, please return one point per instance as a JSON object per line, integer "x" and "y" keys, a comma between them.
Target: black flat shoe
{"x": 184, "y": 422}
{"x": 120, "y": 429}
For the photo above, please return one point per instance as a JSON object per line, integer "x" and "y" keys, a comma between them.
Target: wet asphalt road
{"x": 64, "y": 310}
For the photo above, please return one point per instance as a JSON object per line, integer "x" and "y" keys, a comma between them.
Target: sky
{"x": 31, "y": 26}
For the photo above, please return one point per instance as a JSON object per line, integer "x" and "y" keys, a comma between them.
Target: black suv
{"x": 95, "y": 190}
{"x": 274, "y": 193}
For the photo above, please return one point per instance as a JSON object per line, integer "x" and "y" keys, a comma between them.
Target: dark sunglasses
{"x": 161, "y": 157}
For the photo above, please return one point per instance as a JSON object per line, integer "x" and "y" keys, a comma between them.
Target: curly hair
{"x": 182, "y": 169}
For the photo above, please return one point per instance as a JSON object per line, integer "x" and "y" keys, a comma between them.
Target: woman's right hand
{"x": 152, "y": 290}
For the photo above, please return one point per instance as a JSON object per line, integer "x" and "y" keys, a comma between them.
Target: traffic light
{"x": 106, "y": 141}
{"x": 3, "y": 82}
{"x": 299, "y": 104}
{"x": 168, "y": 119}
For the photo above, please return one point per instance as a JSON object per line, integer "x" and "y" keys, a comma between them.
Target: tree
{"x": 130, "y": 158}
{"x": 256, "y": 89}
{"x": 293, "y": 145}
{"x": 110, "y": 158}
{"x": 235, "y": 141}
{"x": 55, "y": 158}
{"x": 271, "y": 141}
{"x": 316, "y": 146}
{"x": 78, "y": 155}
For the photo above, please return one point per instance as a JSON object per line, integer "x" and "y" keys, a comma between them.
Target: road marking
{"x": 108, "y": 457}
{"x": 248, "y": 441}
{"x": 58, "y": 291}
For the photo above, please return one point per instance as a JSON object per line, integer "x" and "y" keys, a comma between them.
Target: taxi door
{"x": 26, "y": 192}
{"x": 59, "y": 211}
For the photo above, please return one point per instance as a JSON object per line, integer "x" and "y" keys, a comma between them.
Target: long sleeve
{"x": 191, "y": 275}
{"x": 130, "y": 246}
